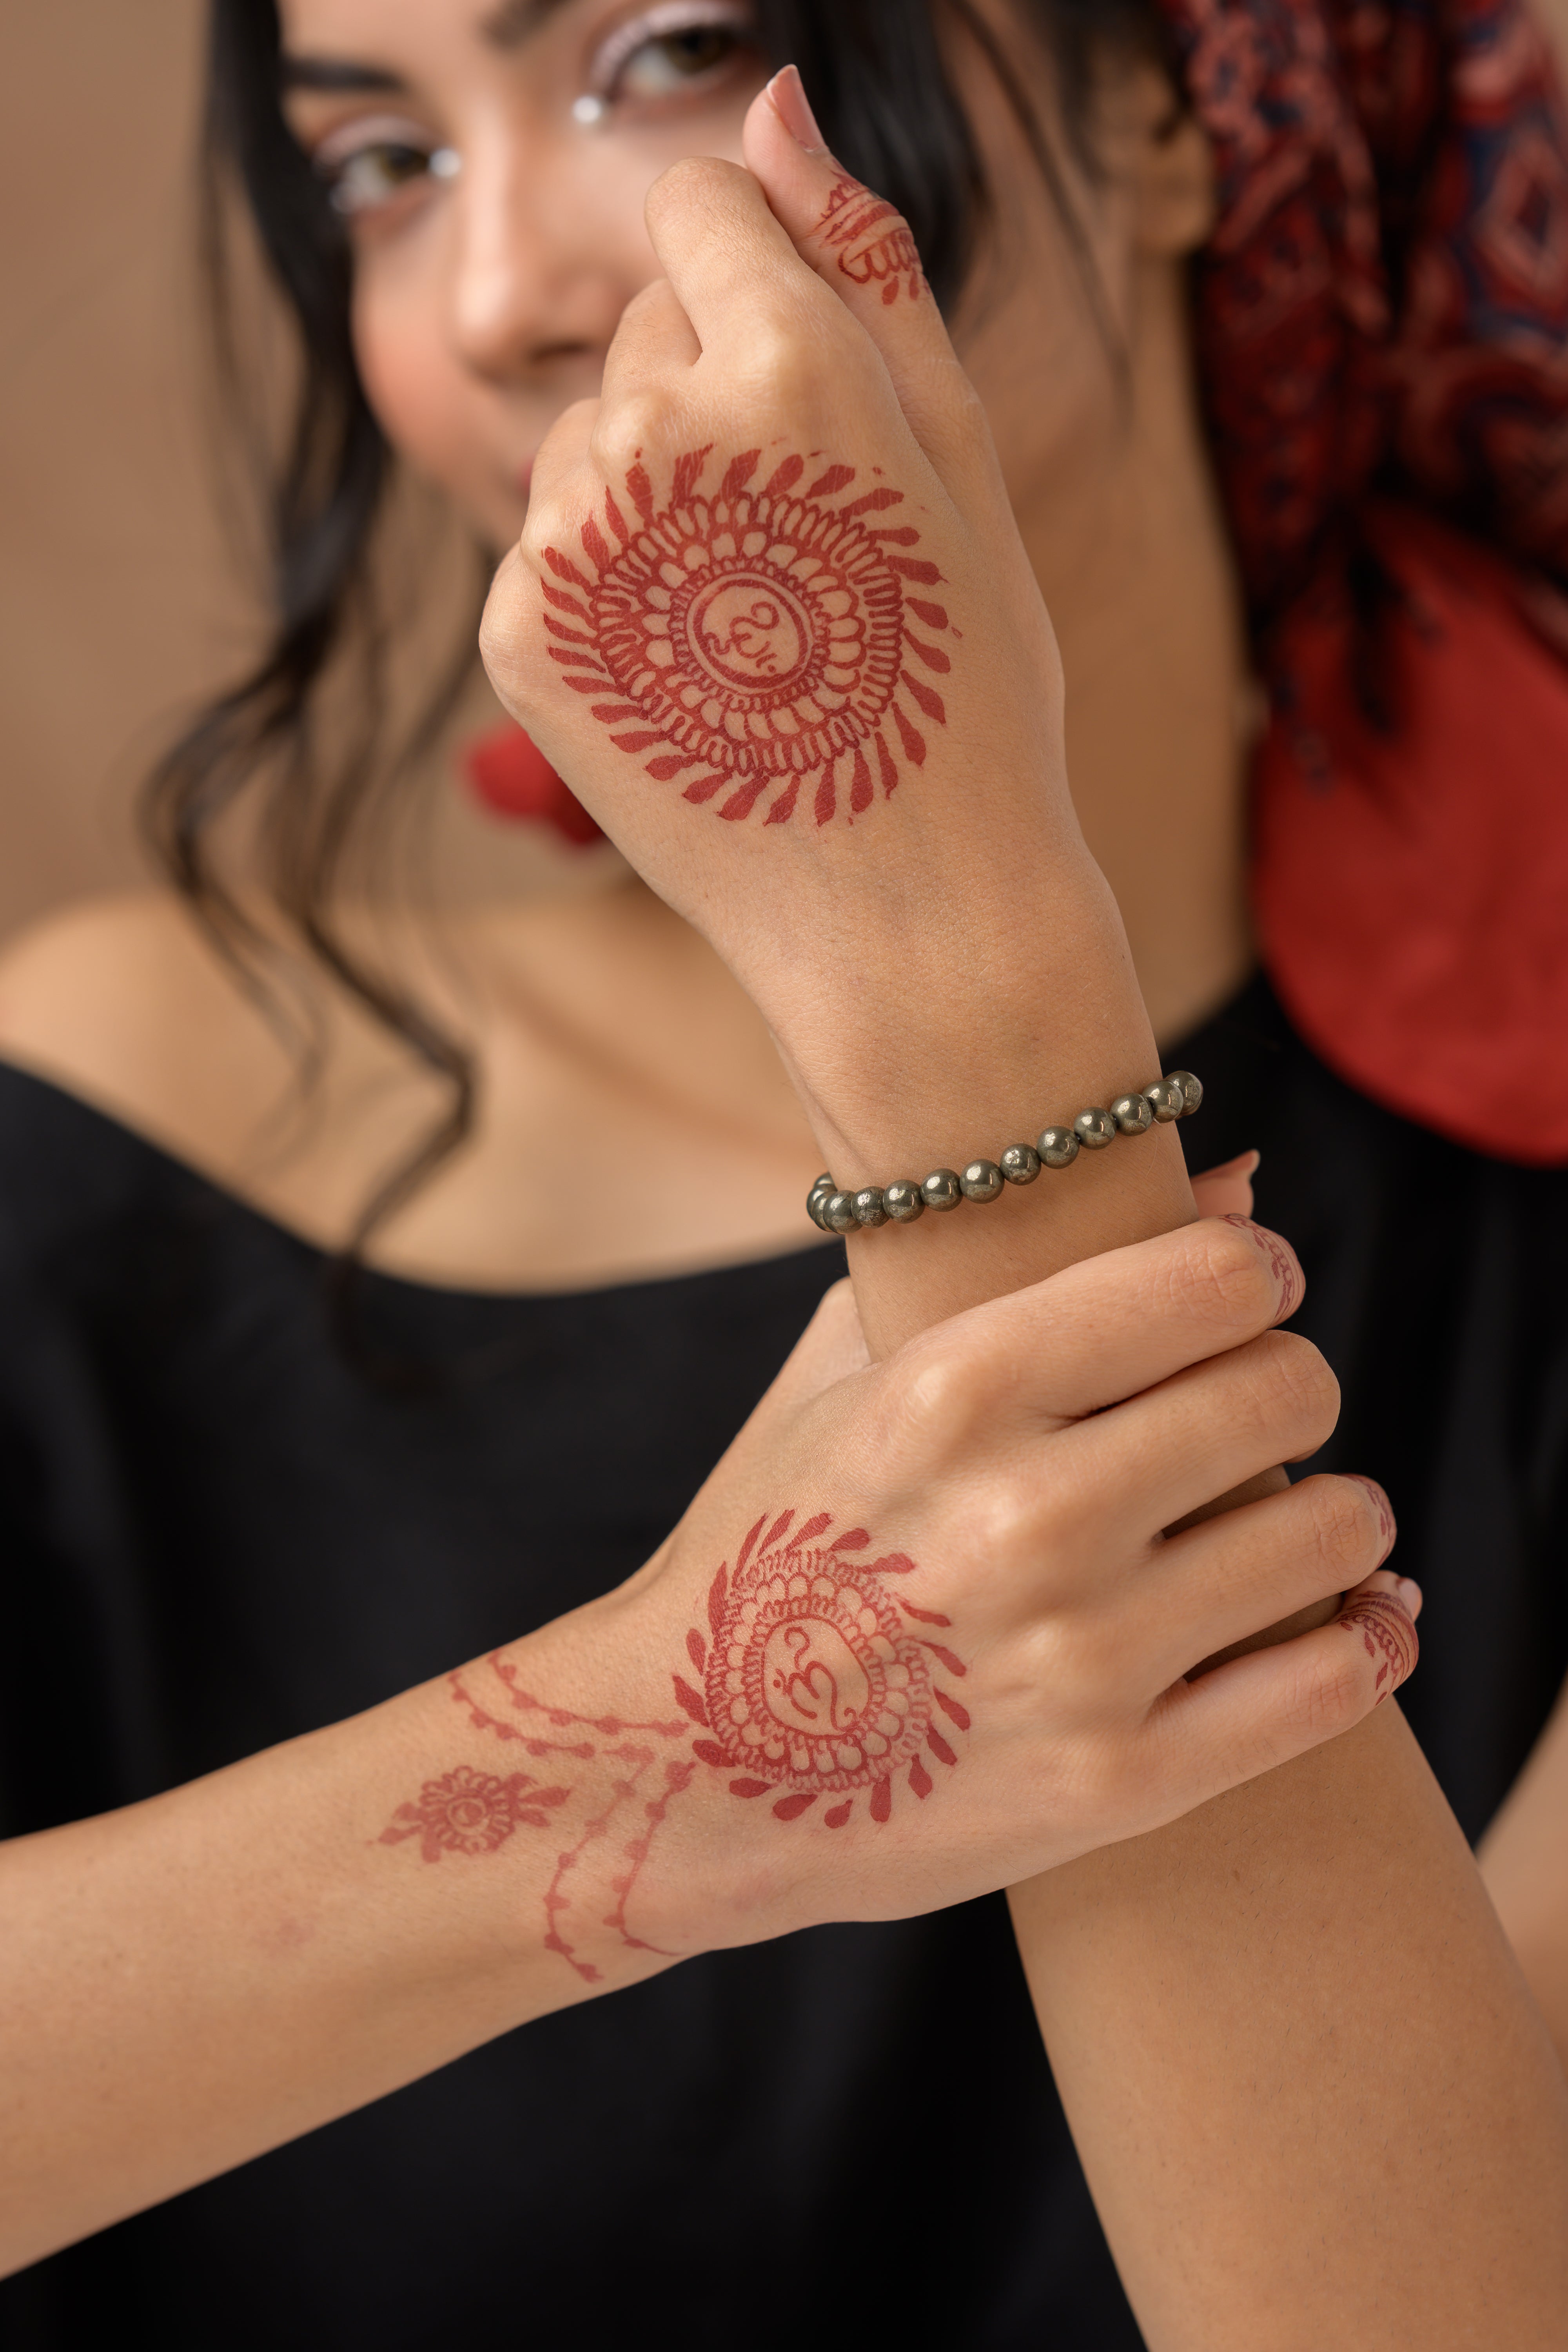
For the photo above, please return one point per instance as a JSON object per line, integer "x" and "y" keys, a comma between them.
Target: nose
{"x": 542, "y": 270}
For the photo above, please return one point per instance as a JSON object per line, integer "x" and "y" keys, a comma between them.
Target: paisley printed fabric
{"x": 1382, "y": 325}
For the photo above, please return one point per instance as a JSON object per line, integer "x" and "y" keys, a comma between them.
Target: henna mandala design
{"x": 471, "y": 1812}
{"x": 812, "y": 1682}
{"x": 869, "y": 236}
{"x": 1384, "y": 1627}
{"x": 763, "y": 639}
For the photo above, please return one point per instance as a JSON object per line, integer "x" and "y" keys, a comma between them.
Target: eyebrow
{"x": 335, "y": 74}
{"x": 515, "y": 21}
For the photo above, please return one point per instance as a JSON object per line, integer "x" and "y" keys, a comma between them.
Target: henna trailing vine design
{"x": 817, "y": 1679}
{"x": 757, "y": 641}
{"x": 1386, "y": 1630}
{"x": 813, "y": 1683}
{"x": 871, "y": 240}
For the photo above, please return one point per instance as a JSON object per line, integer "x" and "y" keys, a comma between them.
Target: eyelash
{"x": 400, "y": 145}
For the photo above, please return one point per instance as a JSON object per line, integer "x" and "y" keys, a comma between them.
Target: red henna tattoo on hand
{"x": 871, "y": 240}
{"x": 813, "y": 1683}
{"x": 816, "y": 1678}
{"x": 761, "y": 638}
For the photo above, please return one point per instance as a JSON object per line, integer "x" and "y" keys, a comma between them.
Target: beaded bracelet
{"x": 1175, "y": 1097}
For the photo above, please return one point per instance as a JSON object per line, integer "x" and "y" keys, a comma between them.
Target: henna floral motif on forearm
{"x": 817, "y": 1681}
{"x": 757, "y": 641}
{"x": 871, "y": 240}
{"x": 1388, "y": 1634}
{"x": 471, "y": 1812}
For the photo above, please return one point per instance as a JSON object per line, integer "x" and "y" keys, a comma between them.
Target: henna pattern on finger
{"x": 816, "y": 1680}
{"x": 872, "y": 240}
{"x": 813, "y": 1683}
{"x": 757, "y": 641}
{"x": 1386, "y": 1631}
{"x": 1281, "y": 1262}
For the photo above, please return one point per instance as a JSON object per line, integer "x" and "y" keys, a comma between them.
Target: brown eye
{"x": 373, "y": 174}
{"x": 672, "y": 61}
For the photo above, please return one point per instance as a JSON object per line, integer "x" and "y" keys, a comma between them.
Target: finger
{"x": 1100, "y": 1331}
{"x": 861, "y": 248}
{"x": 1226, "y": 1192}
{"x": 654, "y": 343}
{"x": 1262, "y": 1709}
{"x": 1145, "y": 1464}
{"x": 1254, "y": 1567}
{"x": 731, "y": 266}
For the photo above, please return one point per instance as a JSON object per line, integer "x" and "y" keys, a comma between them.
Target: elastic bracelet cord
{"x": 1178, "y": 1095}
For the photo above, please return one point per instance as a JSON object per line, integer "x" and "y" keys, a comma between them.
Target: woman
{"x": 710, "y": 1182}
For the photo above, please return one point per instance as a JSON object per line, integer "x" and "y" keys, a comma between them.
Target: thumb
{"x": 860, "y": 247}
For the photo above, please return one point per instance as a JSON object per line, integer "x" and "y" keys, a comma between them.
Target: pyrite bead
{"x": 1164, "y": 1098}
{"x": 1020, "y": 1163}
{"x": 871, "y": 1206}
{"x": 816, "y": 1201}
{"x": 1192, "y": 1091}
{"x": 1133, "y": 1114}
{"x": 982, "y": 1180}
{"x": 941, "y": 1189}
{"x": 1058, "y": 1146}
{"x": 838, "y": 1214}
{"x": 903, "y": 1201}
{"x": 1095, "y": 1129}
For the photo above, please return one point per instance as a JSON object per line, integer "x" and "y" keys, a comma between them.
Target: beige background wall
{"x": 118, "y": 602}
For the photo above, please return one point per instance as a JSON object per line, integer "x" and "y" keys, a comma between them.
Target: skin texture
{"x": 481, "y": 309}
{"x": 193, "y": 1979}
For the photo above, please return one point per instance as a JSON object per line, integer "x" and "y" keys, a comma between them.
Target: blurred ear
{"x": 1163, "y": 159}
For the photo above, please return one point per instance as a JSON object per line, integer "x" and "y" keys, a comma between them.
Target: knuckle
{"x": 1329, "y": 1695}
{"x": 1347, "y": 1526}
{"x": 934, "y": 1399}
{"x": 1298, "y": 1394}
{"x": 1221, "y": 1277}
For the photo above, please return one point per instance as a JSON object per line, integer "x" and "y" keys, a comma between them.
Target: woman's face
{"x": 492, "y": 161}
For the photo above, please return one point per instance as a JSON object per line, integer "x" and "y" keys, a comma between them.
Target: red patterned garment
{"x": 1382, "y": 322}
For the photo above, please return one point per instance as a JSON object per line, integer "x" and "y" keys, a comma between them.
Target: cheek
{"x": 422, "y": 398}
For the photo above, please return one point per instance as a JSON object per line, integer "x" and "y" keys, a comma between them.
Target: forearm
{"x": 193, "y": 1980}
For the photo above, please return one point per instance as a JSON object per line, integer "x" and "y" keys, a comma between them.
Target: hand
{"x": 921, "y": 1635}
{"x": 772, "y": 618}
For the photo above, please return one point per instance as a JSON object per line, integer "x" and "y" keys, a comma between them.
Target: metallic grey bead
{"x": 1058, "y": 1146}
{"x": 1165, "y": 1099}
{"x": 1020, "y": 1163}
{"x": 982, "y": 1180}
{"x": 838, "y": 1214}
{"x": 1095, "y": 1129}
{"x": 1192, "y": 1091}
{"x": 871, "y": 1206}
{"x": 1133, "y": 1114}
{"x": 817, "y": 1199}
{"x": 941, "y": 1189}
{"x": 903, "y": 1201}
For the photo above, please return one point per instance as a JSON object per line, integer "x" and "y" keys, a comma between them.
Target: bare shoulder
{"x": 123, "y": 1002}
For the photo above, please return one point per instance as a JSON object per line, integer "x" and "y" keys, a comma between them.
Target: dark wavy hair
{"x": 876, "y": 74}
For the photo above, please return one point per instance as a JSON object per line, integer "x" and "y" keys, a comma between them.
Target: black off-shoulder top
{"x": 218, "y": 1530}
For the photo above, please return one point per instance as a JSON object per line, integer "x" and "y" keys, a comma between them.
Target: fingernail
{"x": 1385, "y": 1518}
{"x": 1281, "y": 1262}
{"x": 1410, "y": 1592}
{"x": 793, "y": 107}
